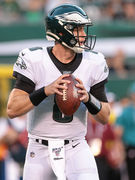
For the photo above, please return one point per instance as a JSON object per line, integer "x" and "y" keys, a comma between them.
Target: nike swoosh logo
{"x": 73, "y": 146}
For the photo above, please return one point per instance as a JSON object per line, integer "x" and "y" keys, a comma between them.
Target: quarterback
{"x": 57, "y": 142}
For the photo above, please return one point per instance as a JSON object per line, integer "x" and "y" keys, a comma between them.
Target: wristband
{"x": 93, "y": 104}
{"x": 37, "y": 96}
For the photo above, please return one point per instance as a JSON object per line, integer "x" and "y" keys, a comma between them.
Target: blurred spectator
{"x": 117, "y": 106}
{"x": 112, "y": 101}
{"x": 107, "y": 148}
{"x": 98, "y": 10}
{"x": 13, "y": 142}
{"x": 106, "y": 10}
{"x": 108, "y": 151}
{"x": 129, "y": 10}
{"x": 3, "y": 148}
{"x": 117, "y": 64}
{"x": 10, "y": 11}
{"x": 50, "y": 4}
{"x": 35, "y": 11}
{"x": 7, "y": 137}
{"x": 93, "y": 11}
{"x": 113, "y": 10}
{"x": 125, "y": 129}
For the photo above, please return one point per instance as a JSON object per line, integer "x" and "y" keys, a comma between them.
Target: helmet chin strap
{"x": 75, "y": 49}
{"x": 50, "y": 37}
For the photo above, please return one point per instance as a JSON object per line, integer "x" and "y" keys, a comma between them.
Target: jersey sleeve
{"x": 98, "y": 91}
{"x": 24, "y": 66}
{"x": 100, "y": 71}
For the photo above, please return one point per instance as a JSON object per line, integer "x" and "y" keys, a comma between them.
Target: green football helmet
{"x": 61, "y": 22}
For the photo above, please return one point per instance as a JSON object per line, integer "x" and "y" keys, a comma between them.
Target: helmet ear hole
{"x": 73, "y": 42}
{"x": 70, "y": 27}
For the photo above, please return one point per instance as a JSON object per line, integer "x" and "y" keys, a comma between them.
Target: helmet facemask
{"x": 88, "y": 42}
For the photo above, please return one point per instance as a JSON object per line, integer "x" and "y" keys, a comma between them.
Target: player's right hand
{"x": 57, "y": 85}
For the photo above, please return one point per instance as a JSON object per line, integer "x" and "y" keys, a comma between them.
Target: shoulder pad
{"x": 97, "y": 53}
{"x": 101, "y": 55}
{"x": 31, "y": 54}
{"x": 94, "y": 55}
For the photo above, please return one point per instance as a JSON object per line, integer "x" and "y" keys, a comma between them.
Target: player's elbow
{"x": 11, "y": 113}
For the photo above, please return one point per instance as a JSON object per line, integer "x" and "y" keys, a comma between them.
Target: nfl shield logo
{"x": 56, "y": 151}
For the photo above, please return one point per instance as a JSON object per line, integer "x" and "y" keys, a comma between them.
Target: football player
{"x": 56, "y": 141}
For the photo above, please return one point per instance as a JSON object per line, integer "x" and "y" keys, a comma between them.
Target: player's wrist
{"x": 46, "y": 91}
{"x": 93, "y": 104}
{"x": 36, "y": 97}
{"x": 87, "y": 98}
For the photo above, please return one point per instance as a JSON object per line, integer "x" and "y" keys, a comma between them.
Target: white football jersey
{"x": 39, "y": 68}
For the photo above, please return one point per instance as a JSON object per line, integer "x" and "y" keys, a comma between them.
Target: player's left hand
{"x": 84, "y": 94}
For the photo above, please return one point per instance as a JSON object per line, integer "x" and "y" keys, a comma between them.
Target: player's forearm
{"x": 100, "y": 110}
{"x": 104, "y": 113}
{"x": 18, "y": 105}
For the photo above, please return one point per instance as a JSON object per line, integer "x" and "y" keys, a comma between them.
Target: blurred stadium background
{"x": 22, "y": 25}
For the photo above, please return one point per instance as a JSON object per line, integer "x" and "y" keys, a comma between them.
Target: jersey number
{"x": 58, "y": 116}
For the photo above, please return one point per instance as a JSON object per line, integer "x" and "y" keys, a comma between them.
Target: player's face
{"x": 80, "y": 34}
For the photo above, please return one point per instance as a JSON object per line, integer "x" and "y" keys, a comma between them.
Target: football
{"x": 69, "y": 102}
